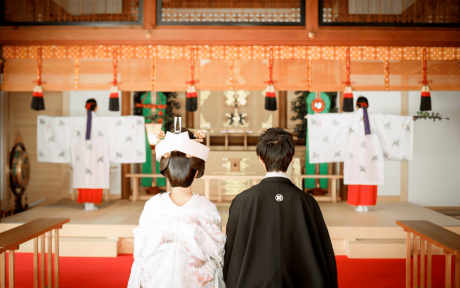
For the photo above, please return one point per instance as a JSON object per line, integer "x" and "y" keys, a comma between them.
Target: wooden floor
{"x": 124, "y": 212}
{"x": 108, "y": 231}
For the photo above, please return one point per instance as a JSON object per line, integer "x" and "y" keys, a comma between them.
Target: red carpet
{"x": 114, "y": 272}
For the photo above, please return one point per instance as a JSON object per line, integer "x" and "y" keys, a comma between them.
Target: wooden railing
{"x": 425, "y": 233}
{"x": 11, "y": 239}
{"x": 254, "y": 178}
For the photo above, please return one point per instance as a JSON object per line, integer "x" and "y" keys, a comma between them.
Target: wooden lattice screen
{"x": 64, "y": 11}
{"x": 415, "y": 12}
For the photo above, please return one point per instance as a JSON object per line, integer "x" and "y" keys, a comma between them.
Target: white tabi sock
{"x": 90, "y": 206}
{"x": 360, "y": 208}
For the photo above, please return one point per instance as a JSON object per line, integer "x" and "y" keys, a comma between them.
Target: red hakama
{"x": 90, "y": 195}
{"x": 365, "y": 195}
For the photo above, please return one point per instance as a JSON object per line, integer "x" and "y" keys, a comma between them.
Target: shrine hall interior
{"x": 147, "y": 58}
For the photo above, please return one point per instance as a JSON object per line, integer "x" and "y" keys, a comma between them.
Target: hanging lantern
{"x": 191, "y": 101}
{"x": 38, "y": 103}
{"x": 425, "y": 102}
{"x": 114, "y": 101}
{"x": 347, "y": 105}
{"x": 270, "y": 94}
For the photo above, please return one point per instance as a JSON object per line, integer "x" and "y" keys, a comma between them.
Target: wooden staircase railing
{"x": 11, "y": 239}
{"x": 425, "y": 233}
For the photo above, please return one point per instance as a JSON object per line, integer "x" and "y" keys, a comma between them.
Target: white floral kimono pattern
{"x": 178, "y": 246}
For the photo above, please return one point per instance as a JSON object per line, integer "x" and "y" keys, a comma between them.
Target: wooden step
{"x": 379, "y": 248}
{"x": 81, "y": 247}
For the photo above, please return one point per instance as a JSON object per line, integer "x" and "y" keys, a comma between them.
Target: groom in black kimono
{"x": 276, "y": 235}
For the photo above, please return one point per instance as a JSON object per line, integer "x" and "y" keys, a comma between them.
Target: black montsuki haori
{"x": 275, "y": 241}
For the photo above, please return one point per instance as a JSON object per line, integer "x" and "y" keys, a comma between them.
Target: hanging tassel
{"x": 37, "y": 99}
{"x": 425, "y": 103}
{"x": 114, "y": 101}
{"x": 270, "y": 98}
{"x": 347, "y": 105}
{"x": 191, "y": 102}
{"x": 270, "y": 94}
{"x": 38, "y": 103}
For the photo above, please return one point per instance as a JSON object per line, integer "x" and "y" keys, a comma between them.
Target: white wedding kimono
{"x": 340, "y": 137}
{"x": 113, "y": 140}
{"x": 178, "y": 246}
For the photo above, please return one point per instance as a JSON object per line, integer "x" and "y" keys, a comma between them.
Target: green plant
{"x": 171, "y": 105}
{"x": 426, "y": 115}
{"x": 299, "y": 107}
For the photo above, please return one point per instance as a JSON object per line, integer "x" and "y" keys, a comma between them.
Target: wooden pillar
{"x": 404, "y": 164}
{"x": 343, "y": 187}
{"x": 189, "y": 119}
{"x": 408, "y": 258}
{"x": 125, "y": 168}
{"x": 282, "y": 106}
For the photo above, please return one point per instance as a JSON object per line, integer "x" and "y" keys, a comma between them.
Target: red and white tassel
{"x": 347, "y": 104}
{"x": 37, "y": 99}
{"x": 114, "y": 101}
{"x": 191, "y": 102}
{"x": 425, "y": 103}
{"x": 270, "y": 98}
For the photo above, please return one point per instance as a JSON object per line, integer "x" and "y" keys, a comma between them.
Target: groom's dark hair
{"x": 276, "y": 149}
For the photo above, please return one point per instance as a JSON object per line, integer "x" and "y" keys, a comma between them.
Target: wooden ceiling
{"x": 149, "y": 33}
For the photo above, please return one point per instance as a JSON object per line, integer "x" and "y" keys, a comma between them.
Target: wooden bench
{"x": 11, "y": 239}
{"x": 254, "y": 178}
{"x": 427, "y": 234}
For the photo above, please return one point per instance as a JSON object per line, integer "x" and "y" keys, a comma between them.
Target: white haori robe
{"x": 178, "y": 246}
{"x": 113, "y": 140}
{"x": 340, "y": 138}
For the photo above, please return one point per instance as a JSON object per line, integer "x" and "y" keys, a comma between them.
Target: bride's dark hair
{"x": 179, "y": 169}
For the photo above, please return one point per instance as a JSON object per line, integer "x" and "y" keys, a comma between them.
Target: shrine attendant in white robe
{"x": 362, "y": 195}
{"x": 179, "y": 242}
{"x": 87, "y": 195}
{"x": 363, "y": 142}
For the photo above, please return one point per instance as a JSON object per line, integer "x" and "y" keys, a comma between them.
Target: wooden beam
{"x": 125, "y": 168}
{"x": 193, "y": 35}
{"x": 282, "y": 109}
{"x": 149, "y": 14}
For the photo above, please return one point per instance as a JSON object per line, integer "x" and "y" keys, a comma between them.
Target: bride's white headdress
{"x": 180, "y": 141}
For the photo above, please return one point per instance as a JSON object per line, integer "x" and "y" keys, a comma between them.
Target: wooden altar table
{"x": 254, "y": 178}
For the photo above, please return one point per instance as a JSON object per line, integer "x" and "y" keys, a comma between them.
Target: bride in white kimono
{"x": 179, "y": 242}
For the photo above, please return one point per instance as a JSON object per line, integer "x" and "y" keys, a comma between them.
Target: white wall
{"x": 434, "y": 175}
{"x": 387, "y": 103}
{"x": 77, "y": 108}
